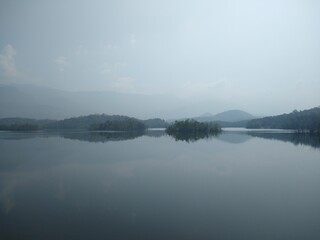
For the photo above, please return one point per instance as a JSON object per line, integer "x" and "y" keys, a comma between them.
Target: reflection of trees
{"x": 102, "y": 136}
{"x": 295, "y": 138}
{"x": 192, "y": 136}
{"x": 89, "y": 136}
{"x": 235, "y": 138}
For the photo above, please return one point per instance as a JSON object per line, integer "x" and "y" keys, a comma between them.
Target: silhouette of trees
{"x": 130, "y": 124}
{"x": 301, "y": 121}
{"x": 191, "y": 130}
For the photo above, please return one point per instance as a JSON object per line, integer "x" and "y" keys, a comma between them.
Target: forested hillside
{"x": 306, "y": 120}
{"x": 82, "y": 122}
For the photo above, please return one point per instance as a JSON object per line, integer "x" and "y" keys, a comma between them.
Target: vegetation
{"x": 155, "y": 123}
{"x": 130, "y": 124}
{"x": 191, "y": 130}
{"x": 82, "y": 122}
{"x": 95, "y": 120}
{"x": 190, "y": 126}
{"x": 301, "y": 121}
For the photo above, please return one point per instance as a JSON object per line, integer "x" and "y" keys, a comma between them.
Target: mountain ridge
{"x": 30, "y": 101}
{"x": 234, "y": 115}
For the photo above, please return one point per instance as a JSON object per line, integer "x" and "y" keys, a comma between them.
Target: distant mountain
{"x": 37, "y": 102}
{"x": 207, "y": 114}
{"x": 227, "y": 116}
{"x": 29, "y": 101}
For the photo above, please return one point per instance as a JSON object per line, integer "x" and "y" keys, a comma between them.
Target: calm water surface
{"x": 82, "y": 185}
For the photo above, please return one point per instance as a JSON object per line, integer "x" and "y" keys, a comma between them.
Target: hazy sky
{"x": 260, "y": 56}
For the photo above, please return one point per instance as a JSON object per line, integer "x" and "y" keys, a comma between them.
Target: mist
{"x": 162, "y": 58}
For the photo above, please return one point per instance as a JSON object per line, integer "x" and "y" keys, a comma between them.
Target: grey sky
{"x": 259, "y": 56}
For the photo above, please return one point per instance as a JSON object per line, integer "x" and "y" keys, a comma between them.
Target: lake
{"x": 101, "y": 185}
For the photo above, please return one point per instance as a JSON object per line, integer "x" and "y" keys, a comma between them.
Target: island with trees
{"x": 191, "y": 130}
{"x": 306, "y": 121}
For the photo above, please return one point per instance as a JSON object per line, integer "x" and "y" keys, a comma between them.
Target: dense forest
{"x": 155, "y": 123}
{"x": 82, "y": 122}
{"x": 130, "y": 124}
{"x": 189, "y": 126}
{"x": 301, "y": 121}
{"x": 191, "y": 130}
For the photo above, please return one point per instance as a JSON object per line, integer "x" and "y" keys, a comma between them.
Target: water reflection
{"x": 296, "y": 139}
{"x": 234, "y": 137}
{"x": 87, "y": 136}
{"x": 102, "y": 136}
{"x": 64, "y": 185}
{"x": 230, "y": 136}
{"x": 191, "y": 137}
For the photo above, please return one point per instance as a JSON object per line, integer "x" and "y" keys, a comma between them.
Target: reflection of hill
{"x": 9, "y": 135}
{"x": 191, "y": 137}
{"x": 101, "y": 136}
{"x": 88, "y": 136}
{"x": 231, "y": 137}
{"x": 296, "y": 139}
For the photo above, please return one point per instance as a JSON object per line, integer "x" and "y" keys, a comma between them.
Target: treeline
{"x": 301, "y": 121}
{"x": 94, "y": 121}
{"x": 191, "y": 126}
{"x": 84, "y": 122}
{"x": 155, "y": 123}
{"x": 191, "y": 130}
{"x": 130, "y": 124}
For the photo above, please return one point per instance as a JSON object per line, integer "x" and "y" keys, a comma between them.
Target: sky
{"x": 259, "y": 56}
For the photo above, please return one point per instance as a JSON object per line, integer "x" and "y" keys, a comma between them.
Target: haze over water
{"x": 122, "y": 65}
{"x": 80, "y": 185}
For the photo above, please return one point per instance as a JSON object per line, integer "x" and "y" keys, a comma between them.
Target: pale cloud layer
{"x": 7, "y": 61}
{"x": 263, "y": 56}
{"x": 61, "y": 63}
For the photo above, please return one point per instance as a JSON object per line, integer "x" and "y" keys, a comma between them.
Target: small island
{"x": 191, "y": 130}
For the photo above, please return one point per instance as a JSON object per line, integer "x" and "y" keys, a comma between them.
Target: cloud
{"x": 7, "y": 61}
{"x": 122, "y": 84}
{"x": 61, "y": 63}
{"x": 108, "y": 69}
{"x": 191, "y": 88}
{"x": 133, "y": 40}
{"x": 82, "y": 50}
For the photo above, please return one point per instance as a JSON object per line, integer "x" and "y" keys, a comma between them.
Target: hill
{"x": 306, "y": 120}
{"x": 82, "y": 122}
{"x": 227, "y": 116}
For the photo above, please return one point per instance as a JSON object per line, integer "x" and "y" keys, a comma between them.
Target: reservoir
{"x": 100, "y": 185}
